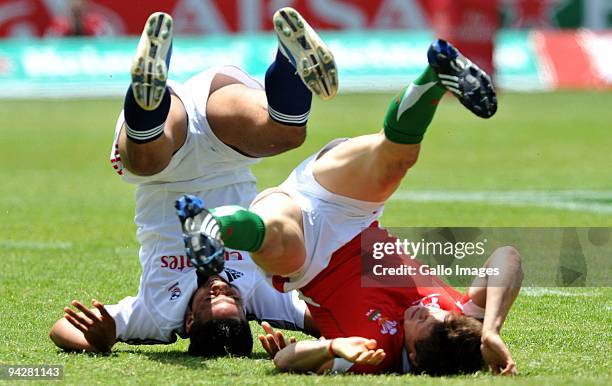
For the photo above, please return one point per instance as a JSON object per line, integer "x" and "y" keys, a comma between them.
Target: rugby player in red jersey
{"x": 306, "y": 235}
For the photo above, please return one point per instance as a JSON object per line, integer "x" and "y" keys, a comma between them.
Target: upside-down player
{"x": 201, "y": 138}
{"x": 305, "y": 234}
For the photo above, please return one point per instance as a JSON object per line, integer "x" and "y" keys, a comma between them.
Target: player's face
{"x": 419, "y": 322}
{"x": 217, "y": 299}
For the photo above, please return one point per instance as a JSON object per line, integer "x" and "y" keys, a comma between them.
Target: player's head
{"x": 442, "y": 343}
{"x": 215, "y": 321}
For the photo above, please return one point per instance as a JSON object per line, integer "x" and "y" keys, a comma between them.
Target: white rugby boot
{"x": 150, "y": 65}
{"x": 310, "y": 56}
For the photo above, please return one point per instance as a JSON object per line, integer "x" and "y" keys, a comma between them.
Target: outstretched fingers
{"x": 86, "y": 311}
{"x": 267, "y": 328}
{"x": 268, "y": 341}
{"x": 101, "y": 308}
{"x": 75, "y": 319}
{"x": 273, "y": 341}
{"x": 282, "y": 341}
{"x": 379, "y": 356}
{"x": 371, "y": 357}
{"x": 266, "y": 345}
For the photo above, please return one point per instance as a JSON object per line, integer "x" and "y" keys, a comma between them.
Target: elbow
{"x": 513, "y": 256}
{"x": 56, "y": 335}
{"x": 53, "y": 337}
{"x": 514, "y": 262}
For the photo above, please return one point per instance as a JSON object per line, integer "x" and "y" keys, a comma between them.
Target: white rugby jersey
{"x": 204, "y": 161}
{"x": 218, "y": 174}
{"x": 156, "y": 314}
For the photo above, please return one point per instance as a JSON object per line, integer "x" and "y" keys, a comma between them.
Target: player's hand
{"x": 496, "y": 354}
{"x": 97, "y": 328}
{"x": 273, "y": 341}
{"x": 358, "y": 350}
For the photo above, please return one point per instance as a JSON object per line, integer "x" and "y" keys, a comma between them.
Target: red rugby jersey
{"x": 341, "y": 307}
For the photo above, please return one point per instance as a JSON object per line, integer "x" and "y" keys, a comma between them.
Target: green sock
{"x": 412, "y": 111}
{"x": 240, "y": 228}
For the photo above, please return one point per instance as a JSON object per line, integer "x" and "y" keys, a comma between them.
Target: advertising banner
{"x": 35, "y": 17}
{"x": 367, "y": 61}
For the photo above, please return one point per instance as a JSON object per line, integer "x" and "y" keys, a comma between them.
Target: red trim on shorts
{"x": 278, "y": 282}
{"x": 465, "y": 299}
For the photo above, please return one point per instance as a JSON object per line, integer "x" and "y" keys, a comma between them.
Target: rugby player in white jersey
{"x": 201, "y": 137}
{"x": 306, "y": 234}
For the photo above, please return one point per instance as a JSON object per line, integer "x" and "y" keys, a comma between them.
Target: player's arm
{"x": 310, "y": 326}
{"x": 318, "y": 355}
{"x": 496, "y": 294}
{"x": 92, "y": 330}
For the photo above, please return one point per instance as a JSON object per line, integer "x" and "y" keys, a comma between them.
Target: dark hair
{"x": 220, "y": 337}
{"x": 452, "y": 347}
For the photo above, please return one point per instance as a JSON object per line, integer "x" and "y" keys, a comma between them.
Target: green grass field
{"x": 67, "y": 230}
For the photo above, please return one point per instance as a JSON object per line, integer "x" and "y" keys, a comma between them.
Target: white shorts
{"x": 204, "y": 161}
{"x": 203, "y": 166}
{"x": 329, "y": 220}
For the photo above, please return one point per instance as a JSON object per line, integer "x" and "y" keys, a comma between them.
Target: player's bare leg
{"x": 282, "y": 251}
{"x": 259, "y": 123}
{"x": 367, "y": 168}
{"x": 370, "y": 168}
{"x": 272, "y": 231}
{"x": 152, "y": 157}
{"x": 238, "y": 115}
{"x": 256, "y": 123}
{"x": 155, "y": 122}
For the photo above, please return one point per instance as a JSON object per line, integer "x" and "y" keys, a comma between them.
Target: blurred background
{"x": 544, "y": 160}
{"x": 71, "y": 48}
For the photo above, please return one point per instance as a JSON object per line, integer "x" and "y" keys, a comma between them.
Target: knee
{"x": 396, "y": 159}
{"x": 401, "y": 165}
{"x": 282, "y": 251}
{"x": 144, "y": 164}
{"x": 395, "y": 170}
{"x": 291, "y": 137}
{"x": 145, "y": 159}
{"x": 272, "y": 246}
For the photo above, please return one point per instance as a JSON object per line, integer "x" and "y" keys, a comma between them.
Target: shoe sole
{"x": 149, "y": 69}
{"x": 312, "y": 58}
{"x": 474, "y": 100}
{"x": 482, "y": 100}
{"x": 485, "y": 94}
